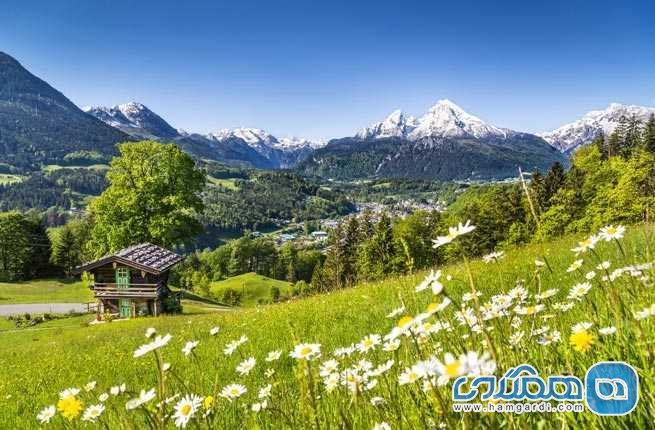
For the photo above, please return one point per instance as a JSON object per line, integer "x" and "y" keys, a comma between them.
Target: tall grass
{"x": 336, "y": 369}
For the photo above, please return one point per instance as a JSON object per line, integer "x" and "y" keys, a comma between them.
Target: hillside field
{"x": 535, "y": 329}
{"x": 254, "y": 288}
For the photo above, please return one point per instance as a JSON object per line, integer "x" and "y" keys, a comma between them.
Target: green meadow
{"x": 45, "y": 291}
{"x": 59, "y": 356}
{"x": 253, "y": 288}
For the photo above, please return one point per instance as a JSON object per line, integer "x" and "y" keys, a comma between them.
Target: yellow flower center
{"x": 432, "y": 307}
{"x": 305, "y": 351}
{"x": 405, "y": 321}
{"x": 185, "y": 410}
{"x": 208, "y": 402}
{"x": 452, "y": 369}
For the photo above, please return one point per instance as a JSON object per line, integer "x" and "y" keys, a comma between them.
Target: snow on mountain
{"x": 444, "y": 120}
{"x": 133, "y": 118}
{"x": 397, "y": 124}
{"x": 261, "y": 139}
{"x": 571, "y": 136}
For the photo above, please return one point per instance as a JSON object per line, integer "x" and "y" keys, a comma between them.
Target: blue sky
{"x": 325, "y": 69}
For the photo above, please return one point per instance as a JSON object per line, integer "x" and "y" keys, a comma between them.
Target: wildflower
{"x": 214, "y": 331}
{"x": 516, "y": 337}
{"x": 604, "y": 265}
{"x": 434, "y": 308}
{"x": 579, "y": 290}
{"x": 539, "y": 263}
{"x": 394, "y": 313}
{"x": 328, "y": 367}
{"x": 411, "y": 375}
{"x": 233, "y": 391}
{"x": 46, "y": 414}
{"x": 493, "y": 257}
{"x": 450, "y": 368}
{"x": 103, "y": 397}
{"x": 590, "y": 275}
{"x": 607, "y": 331}
{"x": 453, "y": 233}
{"x": 582, "y": 326}
{"x": 90, "y": 386}
{"x": 257, "y": 407}
{"x": 208, "y": 402}
{"x": 467, "y": 297}
{"x": 189, "y": 347}
{"x": 546, "y": 294}
{"x": 306, "y": 351}
{"x": 609, "y": 233}
{"x": 273, "y": 355}
{"x": 144, "y": 397}
{"x": 159, "y": 342}
{"x": 246, "y": 366}
{"x": 391, "y": 345}
{"x": 344, "y": 351}
{"x": 185, "y": 409}
{"x": 116, "y": 390}
{"x": 585, "y": 245}
{"x": 165, "y": 367}
{"x": 69, "y": 407}
{"x": 478, "y": 365}
{"x": 150, "y": 332}
{"x": 265, "y": 392}
{"x": 431, "y": 281}
{"x": 382, "y": 426}
{"x": 645, "y": 313}
{"x": 232, "y": 346}
{"x": 582, "y": 341}
{"x": 529, "y": 310}
{"x": 69, "y": 392}
{"x": 563, "y": 307}
{"x": 269, "y": 373}
{"x": 548, "y": 338}
{"x": 575, "y": 266}
{"x": 369, "y": 342}
{"x": 377, "y": 401}
{"x": 93, "y": 412}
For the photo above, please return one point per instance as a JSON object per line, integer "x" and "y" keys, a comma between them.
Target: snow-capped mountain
{"x": 134, "y": 119}
{"x": 397, "y": 124}
{"x": 569, "y": 137}
{"x": 444, "y": 120}
{"x": 240, "y": 145}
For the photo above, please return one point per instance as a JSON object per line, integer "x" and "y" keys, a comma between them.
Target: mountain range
{"x": 39, "y": 125}
{"x": 570, "y": 137}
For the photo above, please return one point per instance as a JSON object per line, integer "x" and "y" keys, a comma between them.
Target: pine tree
{"x": 649, "y": 134}
{"x": 553, "y": 182}
{"x": 65, "y": 251}
{"x": 601, "y": 144}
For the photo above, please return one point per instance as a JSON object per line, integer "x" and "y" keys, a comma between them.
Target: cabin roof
{"x": 144, "y": 256}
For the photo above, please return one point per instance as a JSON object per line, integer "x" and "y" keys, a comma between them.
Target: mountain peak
{"x": 134, "y": 118}
{"x": 571, "y": 136}
{"x": 396, "y": 124}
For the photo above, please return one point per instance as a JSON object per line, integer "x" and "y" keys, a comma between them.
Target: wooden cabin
{"x": 133, "y": 281}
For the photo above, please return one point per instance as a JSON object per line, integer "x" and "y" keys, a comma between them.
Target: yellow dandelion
{"x": 69, "y": 407}
{"x": 208, "y": 402}
{"x": 582, "y": 340}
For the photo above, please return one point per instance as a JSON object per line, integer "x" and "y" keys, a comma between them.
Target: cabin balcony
{"x": 111, "y": 290}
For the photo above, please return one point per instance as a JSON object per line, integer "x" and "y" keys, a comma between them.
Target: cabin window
{"x": 122, "y": 277}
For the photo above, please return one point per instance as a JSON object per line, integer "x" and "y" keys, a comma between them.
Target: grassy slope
{"x": 44, "y": 291}
{"x": 76, "y": 355}
{"x": 253, "y": 286}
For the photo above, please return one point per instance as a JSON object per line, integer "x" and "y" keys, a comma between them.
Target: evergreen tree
{"x": 553, "y": 182}
{"x": 66, "y": 251}
{"x": 649, "y": 134}
{"x": 601, "y": 144}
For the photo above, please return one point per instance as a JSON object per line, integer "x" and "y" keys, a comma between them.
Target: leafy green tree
{"x": 153, "y": 196}
{"x": 66, "y": 252}
{"x": 14, "y": 246}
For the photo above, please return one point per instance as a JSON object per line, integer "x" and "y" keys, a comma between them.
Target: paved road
{"x": 39, "y": 308}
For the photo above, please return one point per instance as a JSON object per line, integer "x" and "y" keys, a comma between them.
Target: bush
{"x": 231, "y": 297}
{"x": 275, "y": 293}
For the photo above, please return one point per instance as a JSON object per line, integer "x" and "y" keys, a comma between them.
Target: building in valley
{"x": 134, "y": 281}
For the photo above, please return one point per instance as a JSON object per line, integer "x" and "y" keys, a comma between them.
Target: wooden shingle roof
{"x": 144, "y": 256}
